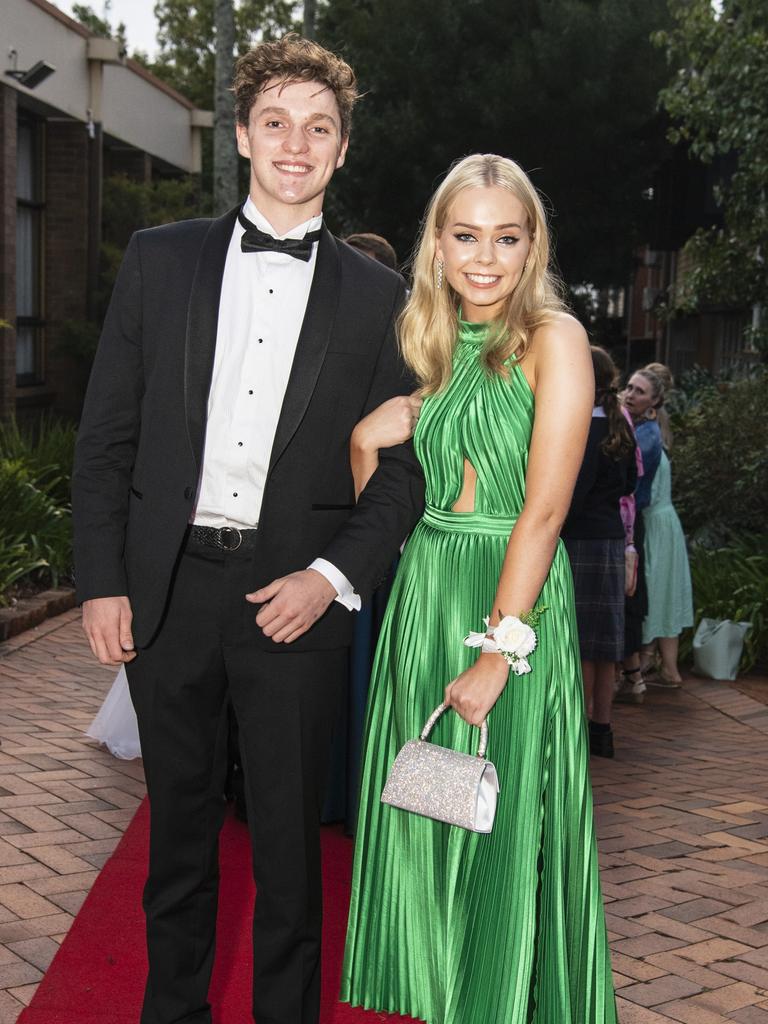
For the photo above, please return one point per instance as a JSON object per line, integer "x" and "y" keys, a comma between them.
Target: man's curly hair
{"x": 293, "y": 59}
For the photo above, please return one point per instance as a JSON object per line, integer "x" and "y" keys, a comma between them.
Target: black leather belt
{"x": 225, "y": 538}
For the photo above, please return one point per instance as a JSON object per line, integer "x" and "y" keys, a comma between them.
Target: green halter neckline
{"x": 472, "y": 333}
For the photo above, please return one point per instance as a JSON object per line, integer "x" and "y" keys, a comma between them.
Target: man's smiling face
{"x": 294, "y": 142}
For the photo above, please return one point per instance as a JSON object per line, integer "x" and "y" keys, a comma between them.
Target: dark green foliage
{"x": 35, "y": 519}
{"x": 35, "y": 535}
{"x": 129, "y": 205}
{"x": 16, "y": 561}
{"x": 718, "y": 102}
{"x": 46, "y": 449}
{"x": 720, "y": 459}
{"x": 568, "y": 88}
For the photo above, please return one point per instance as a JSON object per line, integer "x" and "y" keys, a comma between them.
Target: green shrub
{"x": 720, "y": 459}
{"x": 46, "y": 449}
{"x": 16, "y": 562}
{"x": 731, "y": 582}
{"x": 31, "y": 517}
{"x": 35, "y": 518}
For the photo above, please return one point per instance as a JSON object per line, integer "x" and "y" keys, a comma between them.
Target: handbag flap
{"x": 442, "y": 783}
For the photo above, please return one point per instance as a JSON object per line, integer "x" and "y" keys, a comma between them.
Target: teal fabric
{"x": 447, "y": 925}
{"x": 667, "y": 573}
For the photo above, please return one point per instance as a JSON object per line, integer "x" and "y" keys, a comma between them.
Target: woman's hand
{"x": 475, "y": 691}
{"x": 392, "y": 423}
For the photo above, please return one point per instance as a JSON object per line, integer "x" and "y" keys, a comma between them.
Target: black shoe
{"x": 600, "y": 740}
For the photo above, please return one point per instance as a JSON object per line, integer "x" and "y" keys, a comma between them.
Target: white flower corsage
{"x": 513, "y": 638}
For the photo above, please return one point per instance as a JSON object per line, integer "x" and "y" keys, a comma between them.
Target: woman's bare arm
{"x": 391, "y": 423}
{"x": 564, "y": 389}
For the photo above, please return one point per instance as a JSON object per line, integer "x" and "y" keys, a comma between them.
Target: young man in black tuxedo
{"x": 219, "y": 549}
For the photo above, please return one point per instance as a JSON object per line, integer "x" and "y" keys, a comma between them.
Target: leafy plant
{"x": 16, "y": 562}
{"x": 553, "y": 69}
{"x": 731, "y": 582}
{"x": 46, "y": 448}
{"x": 720, "y": 459}
{"x": 30, "y": 516}
{"x": 35, "y": 520}
{"x": 718, "y": 103}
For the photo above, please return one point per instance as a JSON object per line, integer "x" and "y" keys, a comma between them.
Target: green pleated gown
{"x": 446, "y": 925}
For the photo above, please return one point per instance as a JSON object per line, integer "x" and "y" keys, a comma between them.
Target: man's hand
{"x": 107, "y": 624}
{"x": 292, "y": 604}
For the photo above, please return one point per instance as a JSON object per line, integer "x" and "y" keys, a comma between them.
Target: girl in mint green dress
{"x": 446, "y": 925}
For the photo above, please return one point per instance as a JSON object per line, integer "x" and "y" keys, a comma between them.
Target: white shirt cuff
{"x": 345, "y": 593}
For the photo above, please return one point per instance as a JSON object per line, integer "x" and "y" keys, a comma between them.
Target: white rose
{"x": 514, "y": 637}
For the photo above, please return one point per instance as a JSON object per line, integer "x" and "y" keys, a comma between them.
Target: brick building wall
{"x": 7, "y": 249}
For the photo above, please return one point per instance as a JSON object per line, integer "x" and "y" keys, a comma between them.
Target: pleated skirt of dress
{"x": 454, "y": 927}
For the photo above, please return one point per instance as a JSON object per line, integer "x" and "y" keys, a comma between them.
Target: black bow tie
{"x": 254, "y": 240}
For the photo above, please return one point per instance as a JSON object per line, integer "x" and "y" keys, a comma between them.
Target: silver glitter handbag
{"x": 445, "y": 784}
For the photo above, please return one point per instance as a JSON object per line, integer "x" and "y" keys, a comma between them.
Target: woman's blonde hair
{"x": 427, "y": 327}
{"x": 664, "y": 374}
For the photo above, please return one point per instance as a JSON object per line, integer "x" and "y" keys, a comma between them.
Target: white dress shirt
{"x": 263, "y": 301}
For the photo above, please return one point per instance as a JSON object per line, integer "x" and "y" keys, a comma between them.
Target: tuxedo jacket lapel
{"x": 312, "y": 344}
{"x": 202, "y": 322}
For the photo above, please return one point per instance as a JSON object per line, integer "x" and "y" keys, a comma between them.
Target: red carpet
{"x": 97, "y": 977}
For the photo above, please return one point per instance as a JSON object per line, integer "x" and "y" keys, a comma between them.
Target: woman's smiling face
{"x": 484, "y": 245}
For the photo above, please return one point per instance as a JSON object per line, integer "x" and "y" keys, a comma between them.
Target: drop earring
{"x": 440, "y": 266}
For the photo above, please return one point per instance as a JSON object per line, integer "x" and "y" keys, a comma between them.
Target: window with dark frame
{"x": 30, "y": 323}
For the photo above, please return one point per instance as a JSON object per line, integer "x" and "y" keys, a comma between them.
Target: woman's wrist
{"x": 494, "y": 663}
{"x": 513, "y": 638}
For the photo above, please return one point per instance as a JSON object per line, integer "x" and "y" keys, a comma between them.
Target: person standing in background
{"x": 643, "y": 395}
{"x": 375, "y": 246}
{"x": 668, "y": 574}
{"x": 594, "y": 538}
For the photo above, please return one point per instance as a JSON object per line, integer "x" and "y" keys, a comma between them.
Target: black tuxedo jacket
{"x": 140, "y": 444}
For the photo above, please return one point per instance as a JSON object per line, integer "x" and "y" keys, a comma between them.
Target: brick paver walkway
{"x": 682, "y": 821}
{"x": 64, "y": 802}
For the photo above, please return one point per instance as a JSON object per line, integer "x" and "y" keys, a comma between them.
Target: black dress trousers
{"x": 286, "y": 704}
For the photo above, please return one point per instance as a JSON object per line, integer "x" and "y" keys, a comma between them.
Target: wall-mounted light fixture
{"x": 33, "y": 76}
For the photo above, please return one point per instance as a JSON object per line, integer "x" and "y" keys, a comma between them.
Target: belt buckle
{"x": 238, "y": 537}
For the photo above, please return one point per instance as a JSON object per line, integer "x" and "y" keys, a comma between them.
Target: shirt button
{"x": 239, "y": 444}
{"x": 271, "y": 291}
{"x": 250, "y": 392}
{"x": 261, "y": 341}
{"x": 234, "y": 494}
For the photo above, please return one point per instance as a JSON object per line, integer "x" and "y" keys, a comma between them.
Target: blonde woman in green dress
{"x": 446, "y": 925}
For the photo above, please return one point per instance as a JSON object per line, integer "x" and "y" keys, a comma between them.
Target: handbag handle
{"x": 436, "y": 714}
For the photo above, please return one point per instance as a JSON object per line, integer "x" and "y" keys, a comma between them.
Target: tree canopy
{"x": 718, "y": 102}
{"x": 568, "y": 88}
{"x": 86, "y": 15}
{"x": 187, "y": 40}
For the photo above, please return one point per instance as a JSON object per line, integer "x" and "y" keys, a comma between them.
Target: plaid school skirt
{"x": 598, "y": 581}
